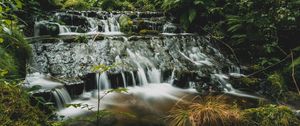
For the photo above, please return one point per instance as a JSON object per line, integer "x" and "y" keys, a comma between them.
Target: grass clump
{"x": 271, "y": 115}
{"x": 209, "y": 111}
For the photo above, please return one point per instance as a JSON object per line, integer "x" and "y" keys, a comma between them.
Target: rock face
{"x": 151, "y": 50}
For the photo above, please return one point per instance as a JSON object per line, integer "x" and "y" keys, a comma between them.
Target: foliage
{"x": 271, "y": 115}
{"x": 129, "y": 5}
{"x": 125, "y": 23}
{"x": 13, "y": 46}
{"x": 76, "y": 4}
{"x": 275, "y": 87}
{"x": 7, "y": 64}
{"x": 82, "y": 39}
{"x": 211, "y": 111}
{"x": 15, "y": 108}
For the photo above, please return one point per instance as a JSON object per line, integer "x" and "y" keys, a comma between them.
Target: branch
{"x": 270, "y": 66}
{"x": 293, "y": 72}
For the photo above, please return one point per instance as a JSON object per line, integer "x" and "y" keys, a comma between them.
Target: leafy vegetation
{"x": 263, "y": 34}
{"x": 271, "y": 115}
{"x": 15, "y": 108}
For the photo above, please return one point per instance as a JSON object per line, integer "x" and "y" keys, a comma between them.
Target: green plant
{"x": 271, "y": 115}
{"x": 275, "y": 87}
{"x": 101, "y": 68}
{"x": 15, "y": 108}
{"x": 212, "y": 111}
{"x": 76, "y": 4}
{"x": 82, "y": 39}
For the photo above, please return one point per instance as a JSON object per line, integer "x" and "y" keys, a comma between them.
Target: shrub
{"x": 76, "y": 4}
{"x": 212, "y": 111}
{"x": 15, "y": 108}
{"x": 271, "y": 115}
{"x": 18, "y": 49}
{"x": 275, "y": 87}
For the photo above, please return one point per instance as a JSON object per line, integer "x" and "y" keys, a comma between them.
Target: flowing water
{"x": 158, "y": 70}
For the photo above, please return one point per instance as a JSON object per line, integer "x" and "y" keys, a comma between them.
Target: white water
{"x": 222, "y": 78}
{"x": 62, "y": 97}
{"x": 102, "y": 81}
{"x": 124, "y": 79}
{"x": 137, "y": 96}
{"x": 133, "y": 78}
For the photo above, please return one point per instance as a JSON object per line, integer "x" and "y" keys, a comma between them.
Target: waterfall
{"x": 102, "y": 81}
{"x": 93, "y": 25}
{"x": 63, "y": 29}
{"x": 110, "y": 26}
{"x": 222, "y": 79}
{"x": 154, "y": 75}
{"x": 171, "y": 81}
{"x": 124, "y": 79}
{"x": 183, "y": 59}
{"x": 133, "y": 78}
{"x": 105, "y": 26}
{"x": 62, "y": 97}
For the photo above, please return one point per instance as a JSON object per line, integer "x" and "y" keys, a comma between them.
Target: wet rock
{"x": 46, "y": 28}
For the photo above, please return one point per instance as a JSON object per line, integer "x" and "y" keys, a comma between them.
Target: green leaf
{"x": 197, "y": 2}
{"x": 234, "y": 28}
{"x": 296, "y": 62}
{"x": 192, "y": 15}
{"x": 18, "y": 4}
{"x": 1, "y": 40}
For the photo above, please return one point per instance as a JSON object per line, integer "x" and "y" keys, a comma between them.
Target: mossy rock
{"x": 148, "y": 32}
{"x": 246, "y": 83}
{"x": 271, "y": 115}
{"x": 125, "y": 23}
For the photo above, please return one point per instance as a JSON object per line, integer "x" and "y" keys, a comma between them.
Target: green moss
{"x": 82, "y": 39}
{"x": 148, "y": 32}
{"x": 246, "y": 83}
{"x": 125, "y": 23}
{"x": 271, "y": 115}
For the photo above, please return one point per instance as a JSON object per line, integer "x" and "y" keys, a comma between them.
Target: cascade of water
{"x": 105, "y": 26}
{"x": 102, "y": 81}
{"x": 62, "y": 97}
{"x": 114, "y": 24}
{"x": 169, "y": 28}
{"x": 93, "y": 25}
{"x": 141, "y": 72}
{"x": 133, "y": 78}
{"x": 222, "y": 79}
{"x": 63, "y": 29}
{"x": 199, "y": 63}
{"x": 124, "y": 79}
{"x": 235, "y": 71}
{"x": 171, "y": 81}
{"x": 154, "y": 75}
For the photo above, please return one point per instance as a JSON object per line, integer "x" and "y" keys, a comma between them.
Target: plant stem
{"x": 293, "y": 73}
